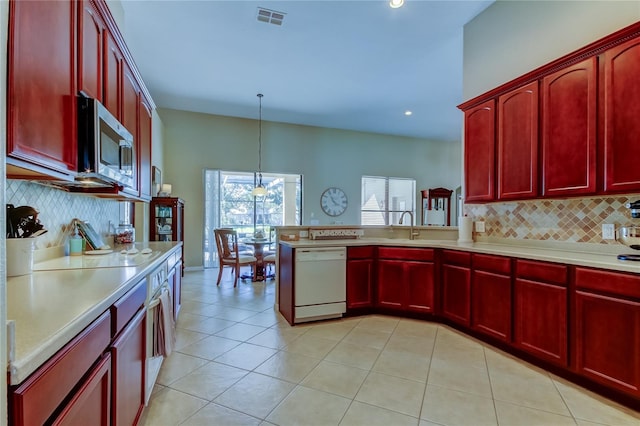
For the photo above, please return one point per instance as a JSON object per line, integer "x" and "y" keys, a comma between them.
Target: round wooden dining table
{"x": 258, "y": 252}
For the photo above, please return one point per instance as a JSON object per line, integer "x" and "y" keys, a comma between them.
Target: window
{"x": 229, "y": 204}
{"x": 385, "y": 198}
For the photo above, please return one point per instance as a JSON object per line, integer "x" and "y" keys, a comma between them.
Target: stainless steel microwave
{"x": 106, "y": 149}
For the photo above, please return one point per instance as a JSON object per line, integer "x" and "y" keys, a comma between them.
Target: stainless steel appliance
{"x": 630, "y": 235}
{"x": 320, "y": 280}
{"x": 106, "y": 149}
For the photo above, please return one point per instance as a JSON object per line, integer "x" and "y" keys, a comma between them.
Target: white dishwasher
{"x": 320, "y": 283}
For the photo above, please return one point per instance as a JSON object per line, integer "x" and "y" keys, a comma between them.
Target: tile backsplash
{"x": 57, "y": 208}
{"x": 577, "y": 220}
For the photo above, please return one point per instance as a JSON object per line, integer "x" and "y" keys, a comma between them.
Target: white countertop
{"x": 50, "y": 307}
{"x": 548, "y": 254}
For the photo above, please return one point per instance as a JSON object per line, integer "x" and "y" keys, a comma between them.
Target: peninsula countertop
{"x": 575, "y": 254}
{"x": 64, "y": 295}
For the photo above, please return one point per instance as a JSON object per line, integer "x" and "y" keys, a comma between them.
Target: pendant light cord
{"x": 260, "y": 95}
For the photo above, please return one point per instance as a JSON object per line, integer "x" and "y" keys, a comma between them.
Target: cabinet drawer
{"x": 625, "y": 285}
{"x": 405, "y": 253}
{"x": 126, "y": 307}
{"x": 456, "y": 258}
{"x": 541, "y": 271}
{"x": 366, "y": 252}
{"x": 35, "y": 400}
{"x": 488, "y": 263}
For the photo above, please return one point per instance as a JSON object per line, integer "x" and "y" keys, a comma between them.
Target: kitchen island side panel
{"x": 285, "y": 283}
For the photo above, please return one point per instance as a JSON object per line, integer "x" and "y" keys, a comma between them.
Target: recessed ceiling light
{"x": 396, "y": 3}
{"x": 408, "y": 113}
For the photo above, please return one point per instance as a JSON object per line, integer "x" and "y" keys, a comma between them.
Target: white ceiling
{"x": 354, "y": 65}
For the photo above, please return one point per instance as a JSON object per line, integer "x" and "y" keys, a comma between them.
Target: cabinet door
{"x": 491, "y": 307}
{"x": 90, "y": 404}
{"x": 359, "y": 283}
{"x": 91, "y": 29}
{"x": 130, "y": 104}
{"x": 621, "y": 124}
{"x": 456, "y": 289}
{"x": 144, "y": 163}
{"x": 113, "y": 77}
{"x": 607, "y": 340}
{"x": 569, "y": 115}
{"x": 175, "y": 281}
{"x": 128, "y": 354}
{"x": 391, "y": 286}
{"x": 41, "y": 101}
{"x": 540, "y": 319}
{"x": 518, "y": 143}
{"x": 419, "y": 281}
{"x": 479, "y": 152}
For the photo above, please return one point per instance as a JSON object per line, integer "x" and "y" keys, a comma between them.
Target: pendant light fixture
{"x": 259, "y": 189}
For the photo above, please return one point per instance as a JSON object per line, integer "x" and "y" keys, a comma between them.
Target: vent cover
{"x": 270, "y": 16}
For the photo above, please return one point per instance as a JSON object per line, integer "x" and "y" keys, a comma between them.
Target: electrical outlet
{"x": 608, "y": 231}
{"x": 304, "y": 234}
{"x": 479, "y": 225}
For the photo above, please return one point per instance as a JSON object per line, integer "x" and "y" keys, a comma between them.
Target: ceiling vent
{"x": 270, "y": 16}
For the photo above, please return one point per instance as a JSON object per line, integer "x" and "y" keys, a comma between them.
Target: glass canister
{"x": 125, "y": 234}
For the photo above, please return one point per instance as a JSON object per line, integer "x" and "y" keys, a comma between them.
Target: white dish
{"x": 97, "y": 252}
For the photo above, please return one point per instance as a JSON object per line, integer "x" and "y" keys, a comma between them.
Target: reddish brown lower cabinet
{"x": 540, "y": 311}
{"x": 39, "y": 397}
{"x": 491, "y": 296}
{"x": 456, "y": 286}
{"x": 91, "y": 403}
{"x": 360, "y": 270}
{"x": 128, "y": 354}
{"x": 607, "y": 328}
{"x": 405, "y": 279}
{"x": 175, "y": 281}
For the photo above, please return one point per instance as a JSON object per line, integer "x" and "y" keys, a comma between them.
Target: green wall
{"x": 325, "y": 157}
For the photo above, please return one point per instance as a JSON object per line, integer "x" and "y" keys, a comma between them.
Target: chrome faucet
{"x": 412, "y": 234}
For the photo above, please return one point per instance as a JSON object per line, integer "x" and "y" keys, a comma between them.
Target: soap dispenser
{"x": 75, "y": 242}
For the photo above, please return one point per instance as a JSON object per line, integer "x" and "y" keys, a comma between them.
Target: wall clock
{"x": 333, "y": 201}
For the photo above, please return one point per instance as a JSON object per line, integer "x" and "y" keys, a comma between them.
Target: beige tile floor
{"x": 237, "y": 362}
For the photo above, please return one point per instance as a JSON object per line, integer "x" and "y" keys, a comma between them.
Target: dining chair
{"x": 269, "y": 261}
{"x": 228, "y": 255}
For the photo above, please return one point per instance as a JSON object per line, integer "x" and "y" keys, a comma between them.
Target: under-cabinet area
{"x": 84, "y": 338}
{"x": 577, "y": 321}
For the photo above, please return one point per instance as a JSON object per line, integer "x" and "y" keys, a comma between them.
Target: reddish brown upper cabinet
{"x": 130, "y": 113}
{"x": 113, "y": 67}
{"x": 91, "y": 36}
{"x": 360, "y": 277}
{"x": 540, "y": 311}
{"x": 518, "y": 143}
{"x": 456, "y": 286}
{"x": 569, "y": 116}
{"x": 621, "y": 123}
{"x": 491, "y": 296}
{"x": 607, "y": 328}
{"x": 144, "y": 157}
{"x": 406, "y": 279}
{"x": 41, "y": 98}
{"x": 479, "y": 152}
